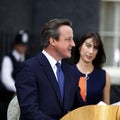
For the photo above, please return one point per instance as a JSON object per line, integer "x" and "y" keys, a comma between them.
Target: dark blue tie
{"x": 60, "y": 77}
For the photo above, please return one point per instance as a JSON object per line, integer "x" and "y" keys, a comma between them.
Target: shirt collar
{"x": 51, "y": 60}
{"x": 17, "y": 55}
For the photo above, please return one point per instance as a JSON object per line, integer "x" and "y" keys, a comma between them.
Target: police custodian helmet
{"x": 21, "y": 38}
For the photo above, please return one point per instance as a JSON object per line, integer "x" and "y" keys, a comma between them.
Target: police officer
{"x": 9, "y": 67}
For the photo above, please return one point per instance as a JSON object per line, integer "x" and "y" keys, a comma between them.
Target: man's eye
{"x": 68, "y": 39}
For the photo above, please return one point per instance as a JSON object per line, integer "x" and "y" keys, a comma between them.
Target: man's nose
{"x": 73, "y": 43}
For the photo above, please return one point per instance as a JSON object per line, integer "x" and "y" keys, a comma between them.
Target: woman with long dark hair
{"x": 93, "y": 81}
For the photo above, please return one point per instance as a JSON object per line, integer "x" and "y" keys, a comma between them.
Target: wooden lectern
{"x": 94, "y": 112}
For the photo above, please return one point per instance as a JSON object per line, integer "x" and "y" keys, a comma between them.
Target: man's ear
{"x": 52, "y": 41}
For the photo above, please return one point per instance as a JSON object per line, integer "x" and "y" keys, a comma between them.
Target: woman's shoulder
{"x": 74, "y": 68}
{"x": 100, "y": 70}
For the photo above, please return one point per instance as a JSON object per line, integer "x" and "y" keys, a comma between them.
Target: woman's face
{"x": 88, "y": 50}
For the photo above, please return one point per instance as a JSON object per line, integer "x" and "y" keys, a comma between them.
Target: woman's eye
{"x": 88, "y": 45}
{"x": 96, "y": 48}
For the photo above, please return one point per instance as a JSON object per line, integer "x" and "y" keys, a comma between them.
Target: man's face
{"x": 63, "y": 46}
{"x": 21, "y": 48}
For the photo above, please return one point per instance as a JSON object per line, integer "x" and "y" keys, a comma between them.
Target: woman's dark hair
{"x": 50, "y": 29}
{"x": 100, "y": 57}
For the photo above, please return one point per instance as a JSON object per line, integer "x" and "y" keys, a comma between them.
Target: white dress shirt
{"x": 7, "y": 69}
{"x": 52, "y": 62}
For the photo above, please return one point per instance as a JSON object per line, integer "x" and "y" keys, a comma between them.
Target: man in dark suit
{"x": 37, "y": 86}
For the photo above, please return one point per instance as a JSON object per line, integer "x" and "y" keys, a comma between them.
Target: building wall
{"x": 15, "y": 15}
{"x": 32, "y": 14}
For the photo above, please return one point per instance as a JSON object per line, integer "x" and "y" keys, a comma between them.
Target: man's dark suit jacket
{"x": 38, "y": 91}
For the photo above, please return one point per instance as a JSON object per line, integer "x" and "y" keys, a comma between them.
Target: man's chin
{"x": 69, "y": 56}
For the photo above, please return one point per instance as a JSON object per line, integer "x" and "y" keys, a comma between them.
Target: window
{"x": 110, "y": 30}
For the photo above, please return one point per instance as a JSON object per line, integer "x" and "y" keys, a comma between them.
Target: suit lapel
{"x": 50, "y": 75}
{"x": 52, "y": 79}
